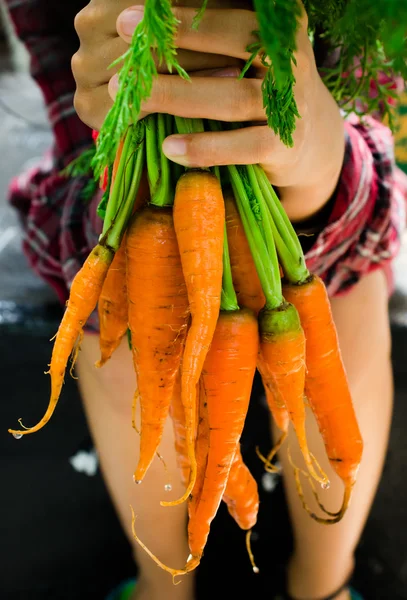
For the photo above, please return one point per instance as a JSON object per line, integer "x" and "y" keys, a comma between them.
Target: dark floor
{"x": 59, "y": 535}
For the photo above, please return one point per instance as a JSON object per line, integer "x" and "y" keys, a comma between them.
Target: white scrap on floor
{"x": 85, "y": 461}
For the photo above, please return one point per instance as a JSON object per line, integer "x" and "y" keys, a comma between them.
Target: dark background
{"x": 59, "y": 535}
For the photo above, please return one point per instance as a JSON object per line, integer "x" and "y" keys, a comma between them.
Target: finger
{"x": 85, "y": 103}
{"x": 220, "y": 31}
{"x": 96, "y": 22}
{"x": 226, "y": 99}
{"x": 95, "y": 68}
{"x": 92, "y": 69}
{"x": 224, "y": 72}
{"x": 251, "y": 145}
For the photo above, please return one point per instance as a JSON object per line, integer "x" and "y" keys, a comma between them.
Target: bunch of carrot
{"x": 190, "y": 267}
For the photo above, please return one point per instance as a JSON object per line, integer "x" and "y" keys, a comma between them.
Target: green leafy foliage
{"x": 370, "y": 37}
{"x": 156, "y": 31}
{"x": 278, "y": 24}
{"x": 81, "y": 165}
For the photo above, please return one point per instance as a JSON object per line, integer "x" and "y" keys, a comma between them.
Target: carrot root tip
{"x": 138, "y": 481}
{"x": 191, "y": 564}
{"x": 250, "y": 552}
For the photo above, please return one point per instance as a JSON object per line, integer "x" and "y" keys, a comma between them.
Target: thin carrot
{"x": 199, "y": 218}
{"x": 178, "y": 422}
{"x": 84, "y": 294}
{"x": 277, "y": 408}
{"x": 158, "y": 319}
{"x": 282, "y": 340}
{"x": 326, "y": 384}
{"x": 245, "y": 278}
{"x": 88, "y": 282}
{"x": 241, "y": 497}
{"x": 282, "y": 346}
{"x": 112, "y": 304}
{"x": 250, "y": 294}
{"x": 203, "y": 439}
{"x": 227, "y": 378}
{"x": 241, "y": 494}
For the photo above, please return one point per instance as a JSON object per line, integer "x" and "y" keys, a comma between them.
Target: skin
{"x": 104, "y": 29}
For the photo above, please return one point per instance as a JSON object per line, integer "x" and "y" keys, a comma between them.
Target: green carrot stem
{"x": 228, "y": 297}
{"x": 270, "y": 232}
{"x": 114, "y": 234}
{"x": 115, "y": 196}
{"x": 186, "y": 126}
{"x": 152, "y": 161}
{"x": 268, "y": 274}
{"x": 288, "y": 246}
{"x": 272, "y": 236}
{"x": 258, "y": 248}
{"x": 157, "y": 30}
{"x": 158, "y": 165}
{"x": 278, "y": 213}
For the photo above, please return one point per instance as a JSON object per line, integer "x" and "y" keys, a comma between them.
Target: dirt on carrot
{"x": 199, "y": 219}
{"x": 158, "y": 320}
{"x": 326, "y": 384}
{"x": 227, "y": 379}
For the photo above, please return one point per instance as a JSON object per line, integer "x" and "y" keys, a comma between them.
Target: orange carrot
{"x": 245, "y": 278}
{"x": 201, "y": 447}
{"x": 112, "y": 305}
{"x": 199, "y": 220}
{"x": 250, "y": 294}
{"x": 241, "y": 494}
{"x": 158, "y": 319}
{"x": 178, "y": 423}
{"x": 326, "y": 384}
{"x": 282, "y": 348}
{"x": 277, "y": 408}
{"x": 227, "y": 379}
{"x": 84, "y": 294}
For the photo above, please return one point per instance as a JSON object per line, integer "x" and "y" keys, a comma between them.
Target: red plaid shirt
{"x": 362, "y": 234}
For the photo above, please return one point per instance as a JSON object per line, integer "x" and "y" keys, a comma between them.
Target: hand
{"x": 100, "y": 45}
{"x": 306, "y": 174}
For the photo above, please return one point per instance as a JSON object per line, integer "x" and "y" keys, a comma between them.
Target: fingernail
{"x": 226, "y": 72}
{"x": 130, "y": 18}
{"x": 175, "y": 147}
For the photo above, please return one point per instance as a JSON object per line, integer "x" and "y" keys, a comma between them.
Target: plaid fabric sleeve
{"x": 368, "y": 216}
{"x": 59, "y": 228}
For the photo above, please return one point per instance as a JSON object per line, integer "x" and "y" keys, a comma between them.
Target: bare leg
{"x": 323, "y": 556}
{"x": 107, "y": 396}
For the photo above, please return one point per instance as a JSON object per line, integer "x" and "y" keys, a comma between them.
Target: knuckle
{"x": 254, "y": 98}
{"x": 86, "y": 20}
{"x": 264, "y": 145}
{"x": 77, "y": 67}
{"x": 83, "y": 108}
{"x": 161, "y": 94}
{"x": 247, "y": 102}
